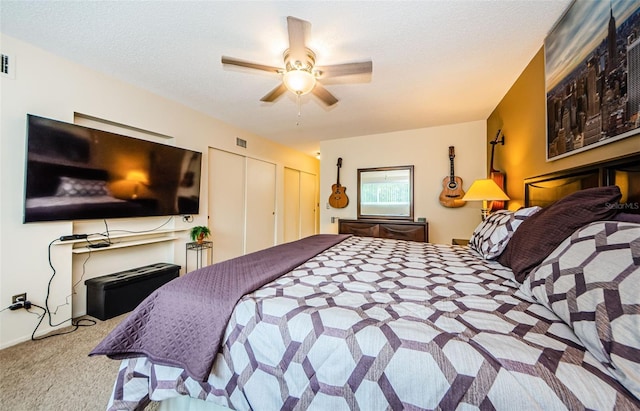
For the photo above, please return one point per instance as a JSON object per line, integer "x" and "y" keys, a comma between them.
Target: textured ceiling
{"x": 434, "y": 62}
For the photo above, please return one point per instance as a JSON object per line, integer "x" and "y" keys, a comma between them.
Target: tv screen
{"x": 75, "y": 172}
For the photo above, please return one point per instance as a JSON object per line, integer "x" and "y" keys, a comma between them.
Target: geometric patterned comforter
{"x": 377, "y": 324}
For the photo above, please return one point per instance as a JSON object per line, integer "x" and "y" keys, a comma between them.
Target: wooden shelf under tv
{"x": 121, "y": 240}
{"x": 123, "y": 244}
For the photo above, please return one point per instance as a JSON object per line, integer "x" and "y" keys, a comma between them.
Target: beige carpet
{"x": 57, "y": 373}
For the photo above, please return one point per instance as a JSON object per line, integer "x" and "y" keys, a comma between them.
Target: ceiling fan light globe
{"x": 299, "y": 81}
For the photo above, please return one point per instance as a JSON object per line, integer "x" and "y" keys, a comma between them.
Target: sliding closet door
{"x": 307, "y": 204}
{"x": 242, "y": 199}
{"x": 291, "y": 205}
{"x": 261, "y": 205}
{"x": 299, "y": 204}
{"x": 226, "y": 203}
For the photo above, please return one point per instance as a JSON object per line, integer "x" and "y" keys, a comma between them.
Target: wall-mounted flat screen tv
{"x": 75, "y": 173}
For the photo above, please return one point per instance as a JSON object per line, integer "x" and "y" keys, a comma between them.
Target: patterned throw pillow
{"x": 544, "y": 231}
{"x": 78, "y": 187}
{"x": 592, "y": 282}
{"x": 490, "y": 238}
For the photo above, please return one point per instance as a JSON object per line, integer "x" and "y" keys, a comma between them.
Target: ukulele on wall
{"x": 338, "y": 198}
{"x": 496, "y": 175}
{"x": 452, "y": 193}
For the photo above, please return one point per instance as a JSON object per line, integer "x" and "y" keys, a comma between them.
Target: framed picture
{"x": 592, "y": 75}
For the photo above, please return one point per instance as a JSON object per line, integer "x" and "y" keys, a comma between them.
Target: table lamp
{"x": 485, "y": 190}
{"x": 137, "y": 177}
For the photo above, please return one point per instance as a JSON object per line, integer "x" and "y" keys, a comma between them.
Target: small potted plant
{"x": 199, "y": 233}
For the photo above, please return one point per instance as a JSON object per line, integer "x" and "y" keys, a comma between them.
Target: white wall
{"x": 52, "y": 87}
{"x": 428, "y": 150}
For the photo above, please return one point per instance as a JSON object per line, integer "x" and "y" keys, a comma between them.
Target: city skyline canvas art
{"x": 592, "y": 76}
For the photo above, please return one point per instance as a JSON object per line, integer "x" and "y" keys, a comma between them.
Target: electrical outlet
{"x": 19, "y": 297}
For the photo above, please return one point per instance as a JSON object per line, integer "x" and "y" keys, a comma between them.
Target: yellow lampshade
{"x": 299, "y": 81}
{"x": 137, "y": 176}
{"x": 485, "y": 190}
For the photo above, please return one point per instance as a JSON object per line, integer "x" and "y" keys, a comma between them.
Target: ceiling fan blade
{"x": 324, "y": 95}
{"x": 298, "y": 30}
{"x": 248, "y": 64}
{"x": 275, "y": 93}
{"x": 347, "y": 69}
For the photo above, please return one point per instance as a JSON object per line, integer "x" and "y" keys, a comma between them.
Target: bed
{"x": 346, "y": 322}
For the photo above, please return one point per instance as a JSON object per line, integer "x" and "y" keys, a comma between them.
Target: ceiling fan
{"x": 300, "y": 74}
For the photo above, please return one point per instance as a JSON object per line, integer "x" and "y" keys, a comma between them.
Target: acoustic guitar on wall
{"x": 452, "y": 193}
{"x": 496, "y": 175}
{"x": 338, "y": 198}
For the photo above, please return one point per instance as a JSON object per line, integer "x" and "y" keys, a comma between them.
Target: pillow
{"x": 541, "y": 233}
{"x": 490, "y": 238}
{"x": 592, "y": 282}
{"x": 78, "y": 187}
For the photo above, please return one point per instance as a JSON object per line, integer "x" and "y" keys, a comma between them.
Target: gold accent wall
{"x": 521, "y": 116}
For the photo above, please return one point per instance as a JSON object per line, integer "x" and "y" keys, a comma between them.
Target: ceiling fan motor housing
{"x": 306, "y": 65}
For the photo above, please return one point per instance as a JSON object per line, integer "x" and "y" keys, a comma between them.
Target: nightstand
{"x": 459, "y": 241}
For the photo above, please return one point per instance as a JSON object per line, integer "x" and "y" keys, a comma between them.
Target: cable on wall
{"x": 136, "y": 232}
{"x": 83, "y": 322}
{"x": 73, "y": 287}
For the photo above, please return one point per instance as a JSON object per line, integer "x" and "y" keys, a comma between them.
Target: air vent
{"x": 7, "y": 66}
{"x": 240, "y": 142}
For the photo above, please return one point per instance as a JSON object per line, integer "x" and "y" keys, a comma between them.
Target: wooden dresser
{"x": 396, "y": 229}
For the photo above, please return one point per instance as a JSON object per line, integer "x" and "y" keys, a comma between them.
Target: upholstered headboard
{"x": 624, "y": 172}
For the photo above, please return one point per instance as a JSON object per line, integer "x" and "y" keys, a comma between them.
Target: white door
{"x": 291, "y": 205}
{"x": 299, "y": 204}
{"x": 260, "y": 228}
{"x": 226, "y": 203}
{"x": 307, "y": 204}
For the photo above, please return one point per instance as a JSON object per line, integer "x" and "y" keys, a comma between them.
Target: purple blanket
{"x": 182, "y": 323}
